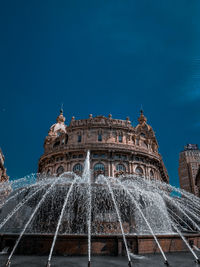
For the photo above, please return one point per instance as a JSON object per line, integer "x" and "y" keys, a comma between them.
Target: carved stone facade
{"x": 4, "y": 188}
{"x": 189, "y": 162}
{"x": 3, "y": 176}
{"x": 197, "y": 182}
{"x": 116, "y": 148}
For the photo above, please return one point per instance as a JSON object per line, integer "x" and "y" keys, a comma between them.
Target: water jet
{"x": 121, "y": 215}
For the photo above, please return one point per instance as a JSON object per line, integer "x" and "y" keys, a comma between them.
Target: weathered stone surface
{"x": 116, "y": 148}
{"x": 189, "y": 164}
{"x": 4, "y": 187}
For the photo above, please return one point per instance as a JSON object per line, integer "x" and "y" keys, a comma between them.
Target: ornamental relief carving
{"x": 88, "y": 133}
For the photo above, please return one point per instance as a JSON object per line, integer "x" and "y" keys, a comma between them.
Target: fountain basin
{"x": 112, "y": 245}
{"x": 112, "y": 217}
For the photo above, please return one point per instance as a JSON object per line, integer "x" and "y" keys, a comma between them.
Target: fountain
{"x": 119, "y": 214}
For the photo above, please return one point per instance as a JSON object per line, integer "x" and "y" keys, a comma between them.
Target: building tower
{"x": 116, "y": 148}
{"x": 189, "y": 162}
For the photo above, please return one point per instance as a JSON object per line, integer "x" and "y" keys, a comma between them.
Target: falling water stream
{"x": 172, "y": 213}
{"x": 87, "y": 177}
{"x": 186, "y": 243}
{"x": 20, "y": 205}
{"x": 14, "y": 196}
{"x": 120, "y": 221}
{"x": 147, "y": 223}
{"x": 59, "y": 221}
{"x": 183, "y": 211}
{"x": 127, "y": 205}
{"x": 31, "y": 217}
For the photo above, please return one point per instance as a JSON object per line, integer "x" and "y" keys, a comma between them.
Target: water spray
{"x": 187, "y": 244}
{"x": 145, "y": 194}
{"x": 28, "y": 222}
{"x": 59, "y": 222}
{"x": 87, "y": 178}
{"x": 120, "y": 221}
{"x": 146, "y": 221}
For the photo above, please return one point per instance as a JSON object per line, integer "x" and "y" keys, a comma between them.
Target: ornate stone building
{"x": 197, "y": 182}
{"x": 116, "y": 148}
{"x": 3, "y": 176}
{"x": 189, "y": 162}
{"x": 4, "y": 190}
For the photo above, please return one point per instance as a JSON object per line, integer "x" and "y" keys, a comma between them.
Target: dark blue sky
{"x": 98, "y": 57}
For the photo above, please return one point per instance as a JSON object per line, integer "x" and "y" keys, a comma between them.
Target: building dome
{"x": 59, "y": 127}
{"x": 116, "y": 147}
{"x": 143, "y": 124}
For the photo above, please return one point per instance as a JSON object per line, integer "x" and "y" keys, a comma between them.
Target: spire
{"x": 142, "y": 119}
{"x": 61, "y": 108}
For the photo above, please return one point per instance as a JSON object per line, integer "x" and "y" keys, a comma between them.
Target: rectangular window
{"x": 99, "y": 137}
{"x": 120, "y": 138}
{"x": 79, "y": 138}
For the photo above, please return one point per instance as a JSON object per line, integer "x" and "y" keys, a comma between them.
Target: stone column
{"x": 111, "y": 169}
{"x": 129, "y": 167}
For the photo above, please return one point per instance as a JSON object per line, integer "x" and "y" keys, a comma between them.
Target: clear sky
{"x": 99, "y": 57}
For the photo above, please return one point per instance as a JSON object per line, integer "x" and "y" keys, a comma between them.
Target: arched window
{"x": 66, "y": 139}
{"x": 99, "y": 168}
{"x": 121, "y": 168}
{"x": 139, "y": 170}
{"x": 60, "y": 170}
{"x": 144, "y": 144}
{"x": 120, "y": 138}
{"x": 151, "y": 174}
{"x": 99, "y": 137}
{"x": 78, "y": 168}
{"x": 79, "y": 138}
{"x": 57, "y": 143}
